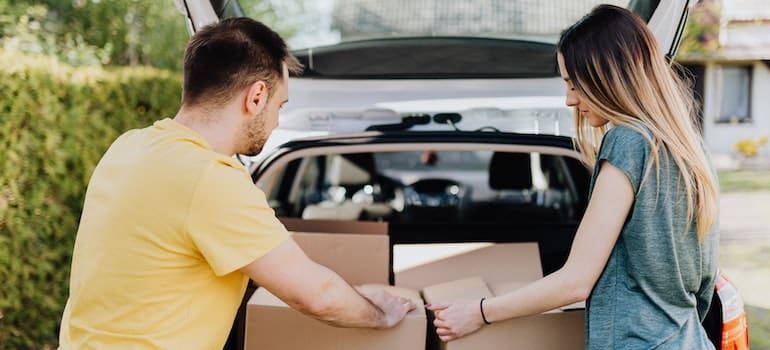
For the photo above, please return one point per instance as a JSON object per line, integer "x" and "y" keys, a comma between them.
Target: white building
{"x": 734, "y": 81}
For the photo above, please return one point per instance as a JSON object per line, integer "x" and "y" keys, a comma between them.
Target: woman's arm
{"x": 610, "y": 203}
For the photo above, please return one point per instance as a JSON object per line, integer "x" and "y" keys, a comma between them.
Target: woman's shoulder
{"x": 628, "y": 135}
{"x": 634, "y": 131}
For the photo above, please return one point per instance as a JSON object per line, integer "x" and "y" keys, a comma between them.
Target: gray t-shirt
{"x": 658, "y": 282}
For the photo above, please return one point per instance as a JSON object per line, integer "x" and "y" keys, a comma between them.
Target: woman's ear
{"x": 256, "y": 98}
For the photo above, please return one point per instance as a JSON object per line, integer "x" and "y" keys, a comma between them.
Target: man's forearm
{"x": 331, "y": 299}
{"x": 339, "y": 304}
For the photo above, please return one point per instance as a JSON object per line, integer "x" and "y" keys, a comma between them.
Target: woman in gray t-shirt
{"x": 644, "y": 255}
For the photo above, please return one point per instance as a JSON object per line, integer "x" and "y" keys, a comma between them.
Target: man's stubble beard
{"x": 253, "y": 137}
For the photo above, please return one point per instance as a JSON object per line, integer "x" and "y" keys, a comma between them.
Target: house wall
{"x": 721, "y": 138}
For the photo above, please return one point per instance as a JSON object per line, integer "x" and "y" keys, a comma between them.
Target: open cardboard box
{"x": 555, "y": 329}
{"x": 360, "y": 257}
{"x": 360, "y": 253}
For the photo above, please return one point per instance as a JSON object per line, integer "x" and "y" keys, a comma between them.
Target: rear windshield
{"x": 328, "y": 22}
{"x": 429, "y": 186}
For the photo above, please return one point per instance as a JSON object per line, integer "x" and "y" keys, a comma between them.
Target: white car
{"x": 447, "y": 120}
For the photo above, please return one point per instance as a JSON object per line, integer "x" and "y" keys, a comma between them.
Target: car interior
{"x": 422, "y": 186}
{"x": 430, "y": 196}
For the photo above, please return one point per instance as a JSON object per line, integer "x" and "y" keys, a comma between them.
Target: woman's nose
{"x": 572, "y": 99}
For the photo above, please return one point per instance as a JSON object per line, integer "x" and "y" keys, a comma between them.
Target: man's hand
{"x": 394, "y": 308}
{"x": 457, "y": 319}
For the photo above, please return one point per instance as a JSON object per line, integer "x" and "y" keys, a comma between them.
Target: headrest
{"x": 344, "y": 172}
{"x": 510, "y": 171}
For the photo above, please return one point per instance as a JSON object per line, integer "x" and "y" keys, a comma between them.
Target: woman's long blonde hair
{"x": 616, "y": 68}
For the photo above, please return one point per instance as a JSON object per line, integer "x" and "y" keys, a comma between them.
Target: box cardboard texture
{"x": 551, "y": 330}
{"x": 359, "y": 259}
{"x": 500, "y": 263}
{"x": 271, "y": 324}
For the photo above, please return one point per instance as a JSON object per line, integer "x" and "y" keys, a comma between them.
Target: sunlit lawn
{"x": 744, "y": 180}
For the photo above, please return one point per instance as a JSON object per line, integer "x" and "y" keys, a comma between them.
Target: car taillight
{"x": 735, "y": 331}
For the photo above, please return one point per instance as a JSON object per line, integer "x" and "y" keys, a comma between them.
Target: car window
{"x": 424, "y": 186}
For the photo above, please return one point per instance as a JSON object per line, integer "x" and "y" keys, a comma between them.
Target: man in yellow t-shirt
{"x": 172, "y": 227}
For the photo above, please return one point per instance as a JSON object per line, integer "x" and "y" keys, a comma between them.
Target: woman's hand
{"x": 456, "y": 320}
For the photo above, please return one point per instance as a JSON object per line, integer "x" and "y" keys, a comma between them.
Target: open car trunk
{"x": 455, "y": 208}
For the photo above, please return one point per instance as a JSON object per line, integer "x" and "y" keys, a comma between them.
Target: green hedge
{"x": 56, "y": 122}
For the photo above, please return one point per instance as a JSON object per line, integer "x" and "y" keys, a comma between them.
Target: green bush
{"x": 56, "y": 121}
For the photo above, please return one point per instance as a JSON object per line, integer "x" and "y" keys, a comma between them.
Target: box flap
{"x": 494, "y": 264}
{"x": 335, "y": 226}
{"x": 358, "y": 258}
{"x": 464, "y": 289}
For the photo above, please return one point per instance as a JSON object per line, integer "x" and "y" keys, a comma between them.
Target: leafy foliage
{"x": 56, "y": 123}
{"x": 701, "y": 33}
{"x": 63, "y": 100}
{"x": 96, "y": 32}
{"x": 118, "y": 32}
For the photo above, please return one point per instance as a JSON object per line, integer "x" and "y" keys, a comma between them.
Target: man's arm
{"x": 319, "y": 292}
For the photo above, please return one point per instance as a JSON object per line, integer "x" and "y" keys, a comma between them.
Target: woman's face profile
{"x": 573, "y": 100}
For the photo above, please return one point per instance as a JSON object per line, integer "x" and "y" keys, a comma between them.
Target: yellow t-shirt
{"x": 166, "y": 225}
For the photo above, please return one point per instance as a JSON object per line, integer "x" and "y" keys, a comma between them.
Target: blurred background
{"x": 75, "y": 74}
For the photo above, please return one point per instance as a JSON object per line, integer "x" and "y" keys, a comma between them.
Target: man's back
{"x": 166, "y": 224}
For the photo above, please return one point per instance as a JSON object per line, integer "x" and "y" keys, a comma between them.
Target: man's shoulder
{"x": 223, "y": 172}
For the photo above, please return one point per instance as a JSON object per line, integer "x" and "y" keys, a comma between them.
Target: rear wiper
{"x": 453, "y": 118}
{"x": 448, "y": 118}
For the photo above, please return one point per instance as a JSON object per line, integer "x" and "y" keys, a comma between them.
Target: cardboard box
{"x": 271, "y": 324}
{"x": 498, "y": 263}
{"x": 552, "y": 330}
{"x": 358, "y": 258}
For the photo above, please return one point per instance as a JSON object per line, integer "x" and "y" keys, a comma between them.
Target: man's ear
{"x": 256, "y": 98}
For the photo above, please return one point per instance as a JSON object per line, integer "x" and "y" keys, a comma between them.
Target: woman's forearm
{"x": 555, "y": 290}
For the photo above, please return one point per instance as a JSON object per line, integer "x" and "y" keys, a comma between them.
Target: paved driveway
{"x": 745, "y": 244}
{"x": 745, "y": 215}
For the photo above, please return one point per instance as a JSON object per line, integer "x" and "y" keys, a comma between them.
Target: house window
{"x": 735, "y": 94}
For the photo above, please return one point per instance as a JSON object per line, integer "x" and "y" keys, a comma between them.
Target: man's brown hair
{"x": 223, "y": 58}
